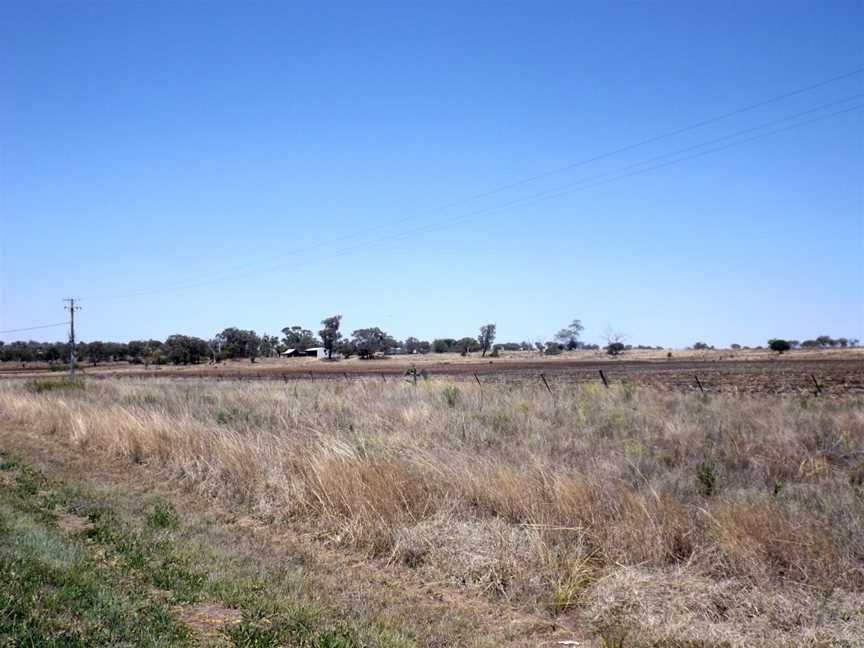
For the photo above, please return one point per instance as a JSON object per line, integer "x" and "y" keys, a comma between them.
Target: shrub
{"x": 779, "y": 345}
{"x": 450, "y": 394}
{"x": 163, "y": 516}
{"x": 615, "y": 348}
{"x": 706, "y": 476}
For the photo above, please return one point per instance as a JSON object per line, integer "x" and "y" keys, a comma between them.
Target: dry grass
{"x": 657, "y": 517}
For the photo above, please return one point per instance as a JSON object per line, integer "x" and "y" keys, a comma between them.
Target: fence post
{"x": 543, "y": 378}
{"x": 699, "y": 383}
{"x": 816, "y": 383}
{"x": 603, "y": 378}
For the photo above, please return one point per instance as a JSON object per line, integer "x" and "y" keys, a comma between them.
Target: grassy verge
{"x": 717, "y": 518}
{"x": 75, "y": 570}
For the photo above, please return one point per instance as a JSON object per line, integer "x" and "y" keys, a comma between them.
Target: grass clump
{"x": 163, "y": 516}
{"x": 706, "y": 477}
{"x": 50, "y": 385}
{"x": 450, "y": 395}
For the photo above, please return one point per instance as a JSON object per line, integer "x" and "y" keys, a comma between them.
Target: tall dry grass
{"x": 729, "y": 517}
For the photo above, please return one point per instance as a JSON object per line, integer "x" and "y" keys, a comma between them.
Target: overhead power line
{"x": 228, "y": 274}
{"x": 638, "y": 168}
{"x": 34, "y": 328}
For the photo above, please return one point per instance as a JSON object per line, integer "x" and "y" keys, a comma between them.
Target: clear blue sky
{"x": 244, "y": 154}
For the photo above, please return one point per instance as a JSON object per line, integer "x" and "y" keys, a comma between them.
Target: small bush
{"x": 163, "y": 516}
{"x": 615, "y": 348}
{"x": 451, "y": 396}
{"x": 706, "y": 475}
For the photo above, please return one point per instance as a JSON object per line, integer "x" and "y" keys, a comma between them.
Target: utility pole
{"x": 71, "y": 308}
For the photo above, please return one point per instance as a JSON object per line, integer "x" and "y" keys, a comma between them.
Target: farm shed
{"x": 312, "y": 352}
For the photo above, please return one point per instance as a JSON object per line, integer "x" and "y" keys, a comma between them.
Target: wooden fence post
{"x": 603, "y": 378}
{"x": 816, "y": 383}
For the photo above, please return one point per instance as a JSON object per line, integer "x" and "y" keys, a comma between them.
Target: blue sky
{"x": 182, "y": 167}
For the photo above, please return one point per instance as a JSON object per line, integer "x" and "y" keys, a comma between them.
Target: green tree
{"x": 443, "y": 345}
{"x": 486, "y": 337}
{"x": 96, "y": 352}
{"x": 614, "y": 342}
{"x": 369, "y": 341}
{"x": 185, "y": 349}
{"x": 779, "y": 345}
{"x": 569, "y": 335}
{"x": 297, "y": 337}
{"x": 553, "y": 348}
{"x": 239, "y": 343}
{"x": 269, "y": 345}
{"x": 330, "y": 334}
{"x": 466, "y": 345}
{"x": 413, "y": 345}
{"x": 615, "y": 348}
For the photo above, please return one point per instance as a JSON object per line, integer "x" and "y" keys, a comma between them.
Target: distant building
{"x": 311, "y": 352}
{"x": 317, "y": 352}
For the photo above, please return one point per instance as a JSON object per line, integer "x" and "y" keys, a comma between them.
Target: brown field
{"x": 838, "y": 371}
{"x": 506, "y": 514}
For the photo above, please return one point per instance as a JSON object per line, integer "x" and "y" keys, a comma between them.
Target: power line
{"x": 564, "y": 190}
{"x": 522, "y": 181}
{"x": 34, "y": 328}
{"x": 568, "y": 188}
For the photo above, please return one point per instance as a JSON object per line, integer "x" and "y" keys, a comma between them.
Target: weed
{"x": 706, "y": 476}
{"x": 628, "y": 388}
{"x": 163, "y": 516}
{"x": 451, "y": 395}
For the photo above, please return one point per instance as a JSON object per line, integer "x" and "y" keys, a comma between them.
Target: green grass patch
{"x": 54, "y": 384}
{"x": 121, "y": 577}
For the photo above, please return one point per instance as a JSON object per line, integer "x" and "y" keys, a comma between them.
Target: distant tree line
{"x": 236, "y": 344}
{"x": 780, "y": 344}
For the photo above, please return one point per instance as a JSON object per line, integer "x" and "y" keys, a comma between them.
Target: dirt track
{"x": 771, "y": 374}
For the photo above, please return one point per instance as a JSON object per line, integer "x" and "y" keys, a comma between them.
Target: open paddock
{"x": 837, "y": 372}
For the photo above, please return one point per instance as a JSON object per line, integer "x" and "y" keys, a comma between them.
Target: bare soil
{"x": 828, "y": 372}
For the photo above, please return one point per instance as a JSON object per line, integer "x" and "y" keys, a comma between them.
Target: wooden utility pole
{"x": 71, "y": 308}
